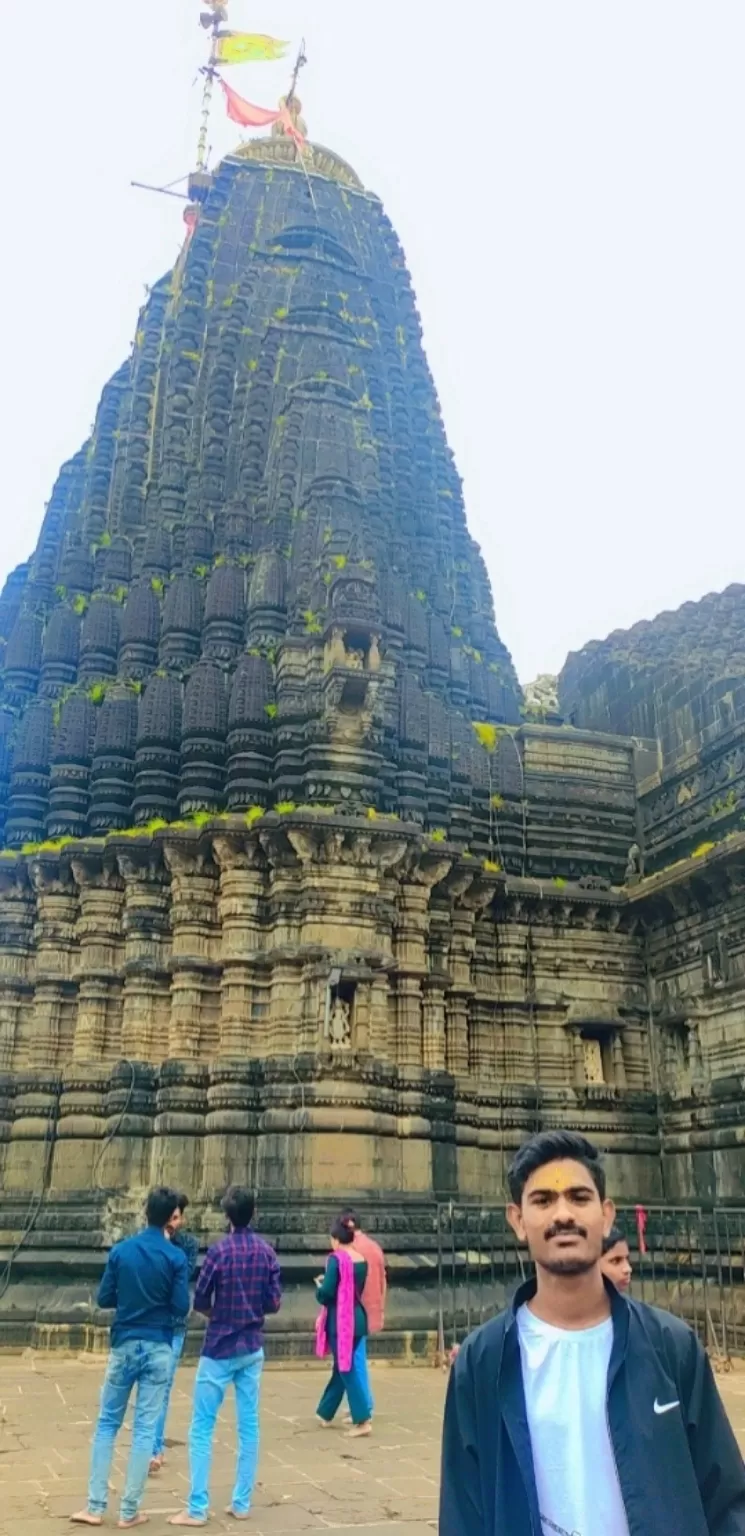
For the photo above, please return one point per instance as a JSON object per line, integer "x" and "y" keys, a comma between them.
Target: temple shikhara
{"x": 297, "y": 886}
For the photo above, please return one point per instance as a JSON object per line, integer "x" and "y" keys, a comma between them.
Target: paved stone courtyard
{"x": 311, "y": 1480}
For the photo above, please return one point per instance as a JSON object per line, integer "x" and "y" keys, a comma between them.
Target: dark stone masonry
{"x": 297, "y": 886}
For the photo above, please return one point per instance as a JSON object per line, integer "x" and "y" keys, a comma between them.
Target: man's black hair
{"x": 551, "y": 1147}
{"x": 182, "y": 1202}
{"x": 239, "y": 1204}
{"x": 348, "y": 1214}
{"x": 160, "y": 1206}
{"x": 614, "y": 1236}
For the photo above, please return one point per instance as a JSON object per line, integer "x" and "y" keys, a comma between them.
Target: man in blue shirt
{"x": 189, "y": 1246}
{"x": 146, "y": 1280}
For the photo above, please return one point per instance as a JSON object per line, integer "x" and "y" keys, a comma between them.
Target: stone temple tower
{"x": 294, "y": 889}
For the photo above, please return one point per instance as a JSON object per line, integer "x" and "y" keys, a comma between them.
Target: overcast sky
{"x": 567, "y": 182}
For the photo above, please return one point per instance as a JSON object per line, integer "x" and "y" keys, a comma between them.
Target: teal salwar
{"x": 352, "y": 1383}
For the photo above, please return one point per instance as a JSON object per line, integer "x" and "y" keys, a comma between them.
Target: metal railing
{"x": 690, "y": 1260}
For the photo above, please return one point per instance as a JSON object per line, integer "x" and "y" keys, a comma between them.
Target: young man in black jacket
{"x": 578, "y": 1412}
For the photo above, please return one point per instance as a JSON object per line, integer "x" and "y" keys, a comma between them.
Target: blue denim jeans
{"x": 212, "y": 1382}
{"x": 177, "y": 1348}
{"x": 147, "y": 1365}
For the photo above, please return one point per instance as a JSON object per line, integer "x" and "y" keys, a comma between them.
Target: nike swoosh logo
{"x": 665, "y": 1407}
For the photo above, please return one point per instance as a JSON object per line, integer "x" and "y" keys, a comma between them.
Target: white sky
{"x": 566, "y": 179}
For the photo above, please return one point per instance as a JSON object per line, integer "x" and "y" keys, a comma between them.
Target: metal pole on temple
{"x": 300, "y": 61}
{"x": 212, "y": 19}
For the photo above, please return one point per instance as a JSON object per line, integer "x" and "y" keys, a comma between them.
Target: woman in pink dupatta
{"x": 341, "y": 1327}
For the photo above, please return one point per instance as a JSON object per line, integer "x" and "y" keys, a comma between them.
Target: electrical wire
{"x": 38, "y": 1199}
{"x": 35, "y": 1206}
{"x": 114, "y": 1132}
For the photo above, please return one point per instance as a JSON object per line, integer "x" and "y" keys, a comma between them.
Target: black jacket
{"x": 681, "y": 1472}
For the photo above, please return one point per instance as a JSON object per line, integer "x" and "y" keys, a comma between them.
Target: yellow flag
{"x": 247, "y": 47}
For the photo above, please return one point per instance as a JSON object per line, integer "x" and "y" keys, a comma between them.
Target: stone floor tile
{"x": 311, "y": 1480}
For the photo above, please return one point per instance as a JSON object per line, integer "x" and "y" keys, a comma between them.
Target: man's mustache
{"x": 564, "y": 1229}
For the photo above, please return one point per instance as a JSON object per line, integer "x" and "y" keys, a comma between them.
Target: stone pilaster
{"x": 55, "y": 990}
{"x": 462, "y": 947}
{"x": 146, "y": 1007}
{"x": 412, "y": 929}
{"x": 101, "y": 895}
{"x": 17, "y": 963}
{"x": 242, "y": 866}
{"x": 433, "y": 1024}
{"x": 194, "y": 1030}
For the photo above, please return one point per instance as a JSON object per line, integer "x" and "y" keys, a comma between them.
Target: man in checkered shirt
{"x": 238, "y": 1285}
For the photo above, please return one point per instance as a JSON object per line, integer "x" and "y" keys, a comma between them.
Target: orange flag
{"x": 241, "y": 111}
{"x": 244, "y": 112}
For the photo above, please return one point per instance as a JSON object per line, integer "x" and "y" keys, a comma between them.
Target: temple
{"x": 297, "y": 888}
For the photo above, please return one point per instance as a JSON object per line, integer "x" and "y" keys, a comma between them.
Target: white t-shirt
{"x": 565, "y": 1378}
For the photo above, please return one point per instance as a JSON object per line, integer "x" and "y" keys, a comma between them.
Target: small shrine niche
{"x": 676, "y": 1055}
{"x": 340, "y": 1015}
{"x": 357, "y": 651}
{"x": 716, "y": 964}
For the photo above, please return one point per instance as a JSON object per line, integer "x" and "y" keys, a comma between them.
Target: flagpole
{"x": 299, "y": 62}
{"x": 204, "y": 127}
{"x": 209, "y": 85}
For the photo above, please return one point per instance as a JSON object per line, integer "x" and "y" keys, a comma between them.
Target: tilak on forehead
{"x": 558, "y": 1177}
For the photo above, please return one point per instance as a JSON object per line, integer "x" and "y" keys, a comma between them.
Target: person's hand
{"x": 319, "y": 1280}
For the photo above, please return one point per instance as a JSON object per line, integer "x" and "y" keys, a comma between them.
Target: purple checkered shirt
{"x": 239, "y": 1283}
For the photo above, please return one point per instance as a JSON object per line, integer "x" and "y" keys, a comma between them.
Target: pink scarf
{"x": 344, "y": 1315}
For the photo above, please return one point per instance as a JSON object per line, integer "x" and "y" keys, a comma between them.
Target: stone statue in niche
{"x": 355, "y": 660}
{"x": 340, "y": 1025}
{"x": 335, "y": 650}
{"x": 716, "y": 964}
{"x": 634, "y": 865}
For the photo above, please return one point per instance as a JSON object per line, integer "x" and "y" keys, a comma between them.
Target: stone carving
{"x": 634, "y": 864}
{"x": 541, "y": 696}
{"x": 340, "y": 1024}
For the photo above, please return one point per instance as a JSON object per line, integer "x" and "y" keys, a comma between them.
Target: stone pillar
{"x": 29, "y": 1096}
{"x": 456, "y": 1034}
{"x": 408, "y": 1022}
{"x": 380, "y": 1044}
{"x": 55, "y": 991}
{"x": 462, "y": 948}
{"x": 433, "y": 1025}
{"x": 95, "y": 1045}
{"x": 193, "y": 1034}
{"x": 617, "y": 1058}
{"x": 233, "y": 1098}
{"x": 181, "y": 1108}
{"x": 578, "y": 1059}
{"x": 101, "y": 895}
{"x": 146, "y": 1007}
{"x": 37, "y": 1084}
{"x": 17, "y": 917}
{"x": 242, "y": 883}
{"x": 483, "y": 1053}
{"x": 411, "y": 958}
